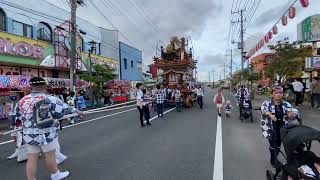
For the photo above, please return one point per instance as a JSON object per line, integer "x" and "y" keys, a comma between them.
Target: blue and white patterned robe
{"x": 33, "y": 135}
{"x": 266, "y": 123}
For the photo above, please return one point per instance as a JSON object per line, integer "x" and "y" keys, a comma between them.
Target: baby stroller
{"x": 246, "y": 109}
{"x": 301, "y": 162}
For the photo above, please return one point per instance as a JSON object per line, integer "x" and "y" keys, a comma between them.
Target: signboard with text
{"x": 309, "y": 29}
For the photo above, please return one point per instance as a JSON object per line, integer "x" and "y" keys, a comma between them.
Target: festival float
{"x": 176, "y": 66}
{"x": 119, "y": 88}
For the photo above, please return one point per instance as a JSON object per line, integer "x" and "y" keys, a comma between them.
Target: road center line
{"x": 218, "y": 155}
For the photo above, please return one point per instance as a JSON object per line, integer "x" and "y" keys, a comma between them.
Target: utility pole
{"x": 230, "y": 67}
{"x": 241, "y": 44}
{"x": 213, "y": 75}
{"x": 73, "y": 43}
{"x": 209, "y": 76}
{"x": 224, "y": 71}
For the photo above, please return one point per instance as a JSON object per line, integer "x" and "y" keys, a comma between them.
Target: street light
{"x": 93, "y": 47}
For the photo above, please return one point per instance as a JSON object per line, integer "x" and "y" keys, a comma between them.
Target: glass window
{"x": 22, "y": 29}
{"x": 131, "y": 64}
{"x": 125, "y": 63}
{"x": 44, "y": 32}
{"x": 139, "y": 66}
{"x": 2, "y": 20}
{"x": 17, "y": 28}
{"x": 28, "y": 31}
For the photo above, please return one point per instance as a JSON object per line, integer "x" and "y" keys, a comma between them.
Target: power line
{"x": 143, "y": 13}
{"x": 119, "y": 13}
{"x": 254, "y": 12}
{"x": 106, "y": 18}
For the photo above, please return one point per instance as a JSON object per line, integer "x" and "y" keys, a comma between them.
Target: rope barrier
{"x": 64, "y": 117}
{"x": 108, "y": 107}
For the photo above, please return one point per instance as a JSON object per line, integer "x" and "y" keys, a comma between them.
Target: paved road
{"x": 178, "y": 146}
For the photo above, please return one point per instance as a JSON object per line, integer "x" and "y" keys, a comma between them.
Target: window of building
{"x": 44, "y": 32}
{"x": 131, "y": 64}
{"x": 3, "y": 22}
{"x": 22, "y": 29}
{"x": 125, "y": 61}
{"x": 139, "y": 66}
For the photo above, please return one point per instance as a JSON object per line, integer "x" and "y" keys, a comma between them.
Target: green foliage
{"x": 250, "y": 74}
{"x": 100, "y": 75}
{"x": 287, "y": 60}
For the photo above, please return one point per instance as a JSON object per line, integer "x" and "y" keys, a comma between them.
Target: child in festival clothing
{"x": 219, "y": 101}
{"x": 228, "y": 108}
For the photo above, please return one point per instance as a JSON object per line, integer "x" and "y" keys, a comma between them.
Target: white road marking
{"x": 104, "y": 110}
{"x": 91, "y": 120}
{"x": 163, "y": 113}
{"x": 95, "y": 119}
{"x": 6, "y": 142}
{"x": 83, "y": 122}
{"x": 218, "y": 155}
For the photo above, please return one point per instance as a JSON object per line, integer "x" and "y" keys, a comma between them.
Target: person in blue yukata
{"x": 39, "y": 113}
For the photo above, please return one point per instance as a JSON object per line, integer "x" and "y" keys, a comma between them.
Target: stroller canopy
{"x": 294, "y": 135}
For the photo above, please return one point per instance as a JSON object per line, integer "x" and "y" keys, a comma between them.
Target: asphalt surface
{"x": 180, "y": 146}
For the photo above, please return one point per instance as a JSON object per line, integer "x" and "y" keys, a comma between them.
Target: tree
{"x": 287, "y": 60}
{"x": 100, "y": 75}
{"x": 250, "y": 75}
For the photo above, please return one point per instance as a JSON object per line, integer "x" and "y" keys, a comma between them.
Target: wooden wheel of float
{"x": 188, "y": 101}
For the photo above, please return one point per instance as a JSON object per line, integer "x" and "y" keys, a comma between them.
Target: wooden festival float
{"x": 176, "y": 67}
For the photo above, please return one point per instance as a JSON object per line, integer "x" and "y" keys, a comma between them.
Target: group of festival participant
{"x": 161, "y": 98}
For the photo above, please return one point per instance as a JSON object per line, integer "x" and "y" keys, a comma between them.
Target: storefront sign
{"x": 315, "y": 62}
{"x": 62, "y": 83}
{"x": 109, "y": 63}
{"x": 309, "y": 29}
{"x": 23, "y": 81}
{"x": 14, "y": 81}
{"x": 20, "y": 48}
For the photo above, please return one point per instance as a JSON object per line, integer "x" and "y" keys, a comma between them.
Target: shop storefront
{"x": 13, "y": 88}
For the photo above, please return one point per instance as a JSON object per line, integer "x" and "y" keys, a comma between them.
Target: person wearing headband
{"x": 275, "y": 113}
{"x": 39, "y": 112}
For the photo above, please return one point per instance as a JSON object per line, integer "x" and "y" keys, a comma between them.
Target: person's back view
{"x": 38, "y": 112}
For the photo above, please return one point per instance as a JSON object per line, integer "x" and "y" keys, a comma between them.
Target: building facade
{"x": 260, "y": 62}
{"x": 35, "y": 42}
{"x": 130, "y": 63}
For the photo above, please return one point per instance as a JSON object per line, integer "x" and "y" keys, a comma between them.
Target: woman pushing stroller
{"x": 275, "y": 113}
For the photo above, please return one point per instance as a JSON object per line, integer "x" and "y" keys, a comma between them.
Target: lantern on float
{"x": 275, "y": 29}
{"x": 284, "y": 20}
{"x": 304, "y": 3}
{"x": 292, "y": 12}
